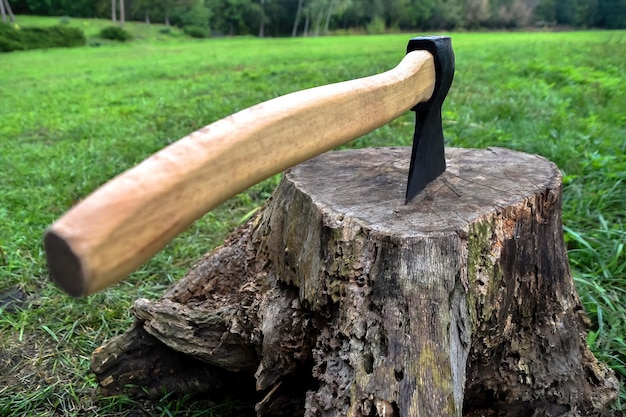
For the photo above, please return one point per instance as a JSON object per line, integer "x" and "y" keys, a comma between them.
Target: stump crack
{"x": 337, "y": 299}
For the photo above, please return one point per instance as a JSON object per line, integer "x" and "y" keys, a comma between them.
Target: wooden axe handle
{"x": 129, "y": 219}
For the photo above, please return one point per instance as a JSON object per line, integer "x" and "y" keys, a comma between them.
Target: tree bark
{"x": 262, "y": 20}
{"x": 113, "y": 10}
{"x": 9, "y": 11}
{"x": 122, "y": 13}
{"x": 329, "y": 14}
{"x": 318, "y": 21}
{"x": 296, "y": 20}
{"x": 338, "y": 299}
{"x": 307, "y": 21}
{"x": 2, "y": 11}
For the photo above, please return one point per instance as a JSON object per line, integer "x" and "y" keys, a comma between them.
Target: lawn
{"x": 72, "y": 118}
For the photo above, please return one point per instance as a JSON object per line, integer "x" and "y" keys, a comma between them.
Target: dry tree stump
{"x": 338, "y": 299}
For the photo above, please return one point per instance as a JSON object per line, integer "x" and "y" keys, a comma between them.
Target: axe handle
{"x": 129, "y": 219}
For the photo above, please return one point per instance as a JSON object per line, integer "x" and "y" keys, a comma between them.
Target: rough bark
{"x": 296, "y": 20}
{"x": 9, "y": 10}
{"x": 122, "y": 13}
{"x": 338, "y": 299}
{"x": 2, "y": 11}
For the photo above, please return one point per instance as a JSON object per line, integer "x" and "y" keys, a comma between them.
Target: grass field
{"x": 72, "y": 118}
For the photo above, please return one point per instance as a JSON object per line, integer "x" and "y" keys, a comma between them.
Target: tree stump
{"x": 338, "y": 299}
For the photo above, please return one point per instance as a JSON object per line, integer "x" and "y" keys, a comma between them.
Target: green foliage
{"x": 15, "y": 38}
{"x": 56, "y": 36}
{"x": 447, "y": 14}
{"x": 10, "y": 38}
{"x": 74, "y": 118}
{"x": 140, "y": 31}
{"x": 611, "y": 14}
{"x": 241, "y": 17}
{"x": 376, "y": 26}
{"x": 115, "y": 33}
{"x": 233, "y": 16}
{"x": 196, "y": 31}
{"x": 197, "y": 15}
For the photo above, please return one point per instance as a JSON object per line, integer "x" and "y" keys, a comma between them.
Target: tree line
{"x": 320, "y": 17}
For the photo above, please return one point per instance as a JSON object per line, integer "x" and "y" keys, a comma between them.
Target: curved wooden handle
{"x": 129, "y": 219}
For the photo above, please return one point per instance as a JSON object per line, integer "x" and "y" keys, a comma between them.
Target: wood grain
{"x": 129, "y": 219}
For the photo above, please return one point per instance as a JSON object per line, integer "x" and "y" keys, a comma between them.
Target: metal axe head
{"x": 427, "y": 157}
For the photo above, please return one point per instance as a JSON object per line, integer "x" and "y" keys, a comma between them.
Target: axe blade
{"x": 427, "y": 156}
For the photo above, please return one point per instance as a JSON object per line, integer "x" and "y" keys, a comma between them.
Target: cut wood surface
{"x": 126, "y": 221}
{"x": 338, "y": 299}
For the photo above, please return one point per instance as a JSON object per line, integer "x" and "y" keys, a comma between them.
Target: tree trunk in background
{"x": 262, "y": 20}
{"x": 307, "y": 21}
{"x": 122, "y": 13}
{"x": 338, "y": 299}
{"x": 294, "y": 31}
{"x": 113, "y": 10}
{"x": 8, "y": 10}
{"x": 318, "y": 22}
{"x": 2, "y": 11}
{"x": 329, "y": 14}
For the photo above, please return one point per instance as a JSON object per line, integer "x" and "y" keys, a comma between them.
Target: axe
{"x": 129, "y": 219}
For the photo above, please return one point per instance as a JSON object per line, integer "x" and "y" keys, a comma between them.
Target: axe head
{"x": 427, "y": 156}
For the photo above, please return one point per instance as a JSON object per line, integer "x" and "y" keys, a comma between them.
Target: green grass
{"x": 70, "y": 119}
